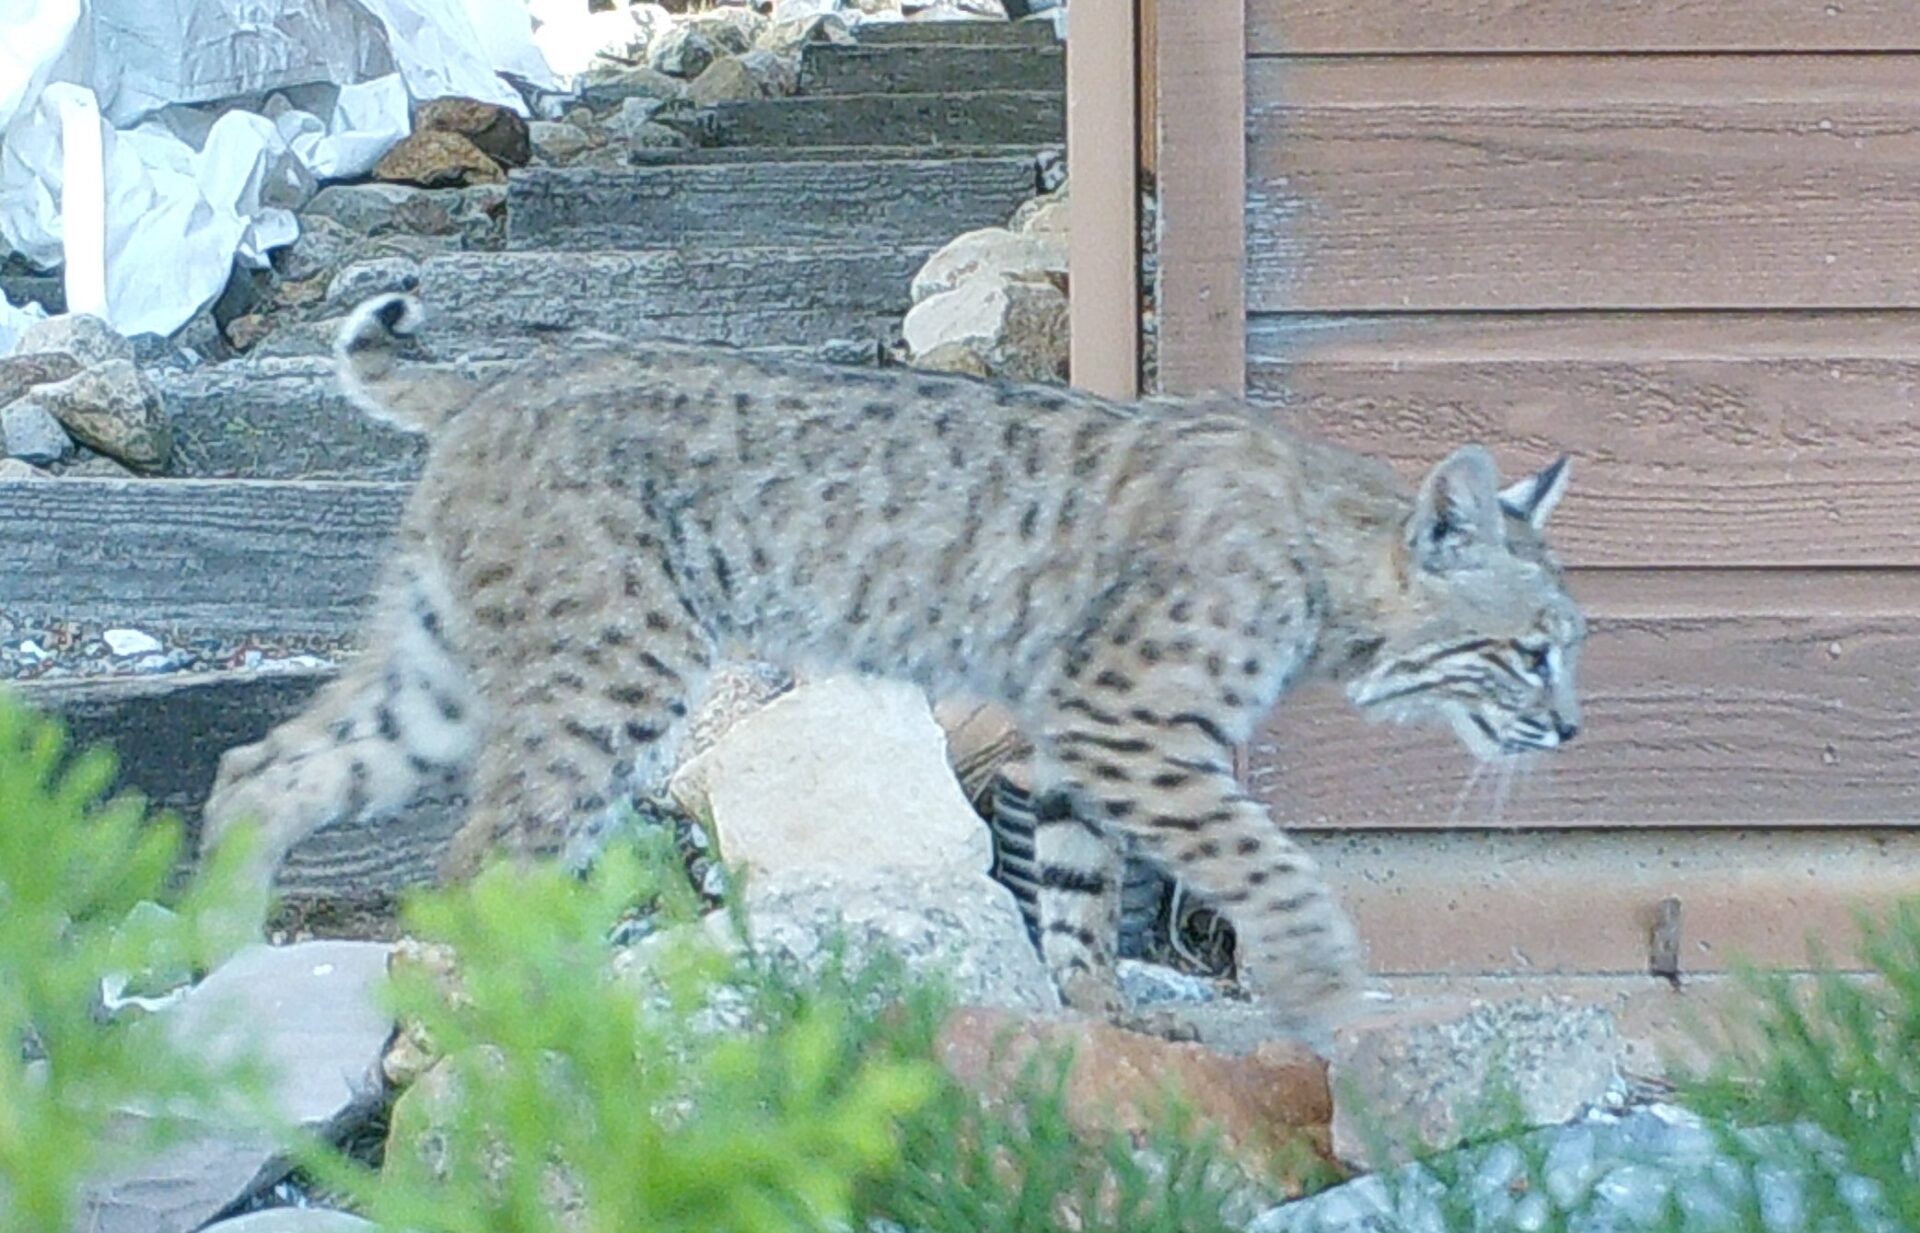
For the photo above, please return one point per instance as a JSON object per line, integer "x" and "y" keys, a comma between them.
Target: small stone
{"x": 632, "y": 113}
{"x": 1050, "y": 218}
{"x": 378, "y": 276}
{"x": 685, "y": 51}
{"x": 608, "y": 87}
{"x": 128, "y": 642}
{"x": 838, "y": 774}
{"x": 20, "y": 373}
{"x": 1426, "y": 1077}
{"x": 1274, "y": 1098}
{"x": 437, "y": 159}
{"x": 787, "y": 36}
{"x": 32, "y": 433}
{"x": 115, "y": 409}
{"x": 992, "y": 252}
{"x": 732, "y": 79}
{"x": 962, "y": 926}
{"x": 499, "y": 132}
{"x": 399, "y": 209}
{"x": 244, "y": 332}
{"x": 1019, "y": 329}
{"x": 86, "y": 338}
{"x": 556, "y": 142}
{"x": 12, "y": 469}
{"x": 954, "y": 357}
{"x": 1151, "y": 984}
{"x": 645, "y": 135}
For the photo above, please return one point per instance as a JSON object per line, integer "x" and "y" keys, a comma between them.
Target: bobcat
{"x": 1139, "y": 585}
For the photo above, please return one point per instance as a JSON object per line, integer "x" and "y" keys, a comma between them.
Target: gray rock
{"x": 472, "y": 217}
{"x": 86, "y": 338}
{"x": 790, "y": 34}
{"x": 311, "y": 1013}
{"x": 32, "y": 433}
{"x": 115, "y": 409}
{"x": 631, "y": 115}
{"x": 557, "y": 142}
{"x": 647, "y": 136}
{"x": 1430, "y": 1076}
{"x": 964, "y": 926}
{"x": 1019, "y": 328}
{"x": 323, "y": 246}
{"x": 685, "y": 51}
{"x": 609, "y": 87}
{"x": 732, "y": 79}
{"x": 12, "y": 470}
{"x": 1150, "y": 984}
{"x": 20, "y": 373}
{"x": 376, "y": 276}
{"x": 293, "y": 1220}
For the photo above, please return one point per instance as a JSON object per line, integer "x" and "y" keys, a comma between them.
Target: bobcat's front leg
{"x": 401, "y": 716}
{"x": 1166, "y": 779}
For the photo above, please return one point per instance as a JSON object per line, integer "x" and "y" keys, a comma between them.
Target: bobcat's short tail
{"x": 372, "y": 357}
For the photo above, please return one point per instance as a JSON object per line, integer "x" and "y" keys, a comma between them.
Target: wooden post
{"x": 1102, "y": 165}
{"x": 1201, "y": 78}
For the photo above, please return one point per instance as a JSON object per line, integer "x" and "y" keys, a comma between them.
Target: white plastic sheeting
{"x": 147, "y": 202}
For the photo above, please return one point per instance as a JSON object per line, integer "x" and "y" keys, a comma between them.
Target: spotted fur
{"x": 1138, "y": 584}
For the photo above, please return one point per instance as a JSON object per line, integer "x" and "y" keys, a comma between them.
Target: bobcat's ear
{"x": 1532, "y": 499}
{"x": 1458, "y": 509}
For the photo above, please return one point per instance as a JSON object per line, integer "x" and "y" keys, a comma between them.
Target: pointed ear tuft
{"x": 1532, "y": 499}
{"x": 1458, "y": 509}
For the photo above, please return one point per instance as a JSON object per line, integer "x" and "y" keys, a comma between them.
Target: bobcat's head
{"x": 1481, "y": 631}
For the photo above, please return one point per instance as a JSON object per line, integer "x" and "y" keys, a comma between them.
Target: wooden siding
{"x": 1583, "y": 182}
{"x": 1701, "y": 439}
{"x": 1673, "y": 238}
{"x": 1586, "y": 901}
{"x": 1200, "y": 81}
{"x": 1319, "y": 27}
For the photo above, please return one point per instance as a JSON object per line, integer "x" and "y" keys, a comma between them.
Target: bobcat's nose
{"x": 1564, "y": 730}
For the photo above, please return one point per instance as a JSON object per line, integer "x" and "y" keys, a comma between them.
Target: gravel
{"x": 68, "y": 650}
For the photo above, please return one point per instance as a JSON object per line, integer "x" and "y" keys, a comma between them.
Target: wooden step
{"x": 169, "y": 733}
{"x": 485, "y": 302}
{"x": 917, "y": 68}
{"x": 1036, "y": 33}
{"x": 214, "y": 557}
{"x": 708, "y": 155}
{"x": 926, "y": 121}
{"x": 279, "y": 419}
{"x": 896, "y": 202}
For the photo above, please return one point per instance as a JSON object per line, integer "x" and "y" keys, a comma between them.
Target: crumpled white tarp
{"x": 148, "y": 228}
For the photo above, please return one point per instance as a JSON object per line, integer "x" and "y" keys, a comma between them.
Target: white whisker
{"x": 1466, "y": 791}
{"x": 1502, "y": 788}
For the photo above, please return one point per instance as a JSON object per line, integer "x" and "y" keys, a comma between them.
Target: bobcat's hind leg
{"x": 585, "y": 709}
{"x": 403, "y": 716}
{"x": 1078, "y": 867}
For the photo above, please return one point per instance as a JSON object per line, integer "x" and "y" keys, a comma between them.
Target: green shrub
{"x": 575, "y": 1091}
{"x": 72, "y": 866}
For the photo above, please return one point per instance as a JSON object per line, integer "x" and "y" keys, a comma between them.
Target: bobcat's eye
{"x": 1537, "y": 659}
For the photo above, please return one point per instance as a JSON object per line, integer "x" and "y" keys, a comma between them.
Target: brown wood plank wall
{"x": 1676, "y": 239}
